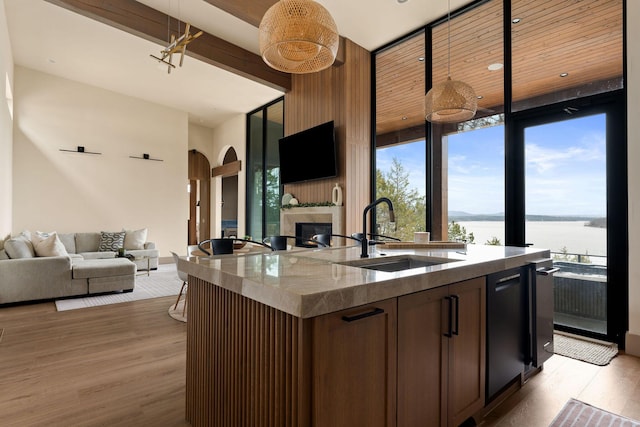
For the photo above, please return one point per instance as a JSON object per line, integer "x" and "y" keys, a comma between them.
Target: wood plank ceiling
{"x": 580, "y": 37}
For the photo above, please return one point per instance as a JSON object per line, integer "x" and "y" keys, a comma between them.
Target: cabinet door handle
{"x": 456, "y": 298}
{"x": 449, "y": 332}
{"x": 373, "y": 312}
{"x": 547, "y": 271}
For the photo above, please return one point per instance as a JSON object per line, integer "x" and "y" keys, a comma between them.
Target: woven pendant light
{"x": 452, "y": 101}
{"x": 298, "y": 36}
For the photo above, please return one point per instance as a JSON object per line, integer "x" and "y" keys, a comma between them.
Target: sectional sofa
{"x": 37, "y": 266}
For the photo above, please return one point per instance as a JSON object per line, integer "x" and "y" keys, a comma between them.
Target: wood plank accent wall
{"x": 357, "y": 112}
{"x": 342, "y": 94}
{"x": 240, "y": 336}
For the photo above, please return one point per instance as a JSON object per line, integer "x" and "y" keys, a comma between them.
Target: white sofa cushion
{"x": 98, "y": 255}
{"x": 69, "y": 241}
{"x": 135, "y": 239}
{"x": 47, "y": 244}
{"x": 87, "y": 242}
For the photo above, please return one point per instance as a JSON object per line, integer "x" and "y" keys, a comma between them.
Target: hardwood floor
{"x": 124, "y": 365}
{"x": 615, "y": 388}
{"x": 115, "y": 365}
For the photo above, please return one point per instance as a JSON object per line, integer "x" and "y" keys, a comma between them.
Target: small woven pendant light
{"x": 452, "y": 101}
{"x": 298, "y": 36}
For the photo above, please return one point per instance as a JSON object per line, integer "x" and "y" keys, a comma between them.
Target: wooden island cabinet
{"x": 291, "y": 340}
{"x": 354, "y": 367}
{"x": 441, "y": 354}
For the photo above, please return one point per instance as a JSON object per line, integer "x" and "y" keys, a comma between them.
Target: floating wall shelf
{"x": 145, "y": 157}
{"x": 79, "y": 149}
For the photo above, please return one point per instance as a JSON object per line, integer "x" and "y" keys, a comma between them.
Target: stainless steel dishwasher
{"x": 507, "y": 324}
{"x": 519, "y": 323}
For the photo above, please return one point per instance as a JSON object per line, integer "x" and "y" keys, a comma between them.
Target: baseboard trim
{"x": 632, "y": 344}
{"x": 165, "y": 260}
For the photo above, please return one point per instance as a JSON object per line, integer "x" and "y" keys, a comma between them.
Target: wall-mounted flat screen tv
{"x": 308, "y": 155}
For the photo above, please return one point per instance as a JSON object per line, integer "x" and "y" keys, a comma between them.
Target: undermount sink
{"x": 398, "y": 263}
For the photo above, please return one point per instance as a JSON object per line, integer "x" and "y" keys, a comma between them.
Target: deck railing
{"x": 580, "y": 290}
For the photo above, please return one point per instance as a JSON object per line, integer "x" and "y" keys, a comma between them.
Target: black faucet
{"x": 392, "y": 218}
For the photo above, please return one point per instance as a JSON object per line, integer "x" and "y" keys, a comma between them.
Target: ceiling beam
{"x": 250, "y": 11}
{"x": 140, "y": 20}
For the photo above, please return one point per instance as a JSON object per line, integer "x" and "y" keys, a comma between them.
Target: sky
{"x": 565, "y": 168}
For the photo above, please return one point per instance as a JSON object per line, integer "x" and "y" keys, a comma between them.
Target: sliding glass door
{"x": 574, "y": 201}
{"x": 566, "y": 211}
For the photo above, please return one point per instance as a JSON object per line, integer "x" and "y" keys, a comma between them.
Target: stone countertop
{"x": 311, "y": 282}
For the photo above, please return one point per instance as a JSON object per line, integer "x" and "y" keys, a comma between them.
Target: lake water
{"x": 553, "y": 235}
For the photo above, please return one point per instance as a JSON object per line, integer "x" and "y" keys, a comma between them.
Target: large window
{"x": 543, "y": 63}
{"x": 265, "y": 127}
{"x": 400, "y": 137}
{"x": 470, "y": 193}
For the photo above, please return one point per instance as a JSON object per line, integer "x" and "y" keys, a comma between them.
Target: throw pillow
{"x": 17, "y": 247}
{"x": 111, "y": 241}
{"x": 26, "y": 236}
{"x": 135, "y": 239}
{"x": 4, "y": 239}
{"x": 3, "y": 254}
{"x": 48, "y": 244}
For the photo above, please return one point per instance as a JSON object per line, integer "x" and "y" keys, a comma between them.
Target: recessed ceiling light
{"x": 515, "y": 20}
{"x": 479, "y": 96}
{"x": 404, "y": 117}
{"x": 421, "y": 59}
{"x": 402, "y": 1}
{"x": 564, "y": 74}
{"x": 51, "y": 60}
{"x": 495, "y": 67}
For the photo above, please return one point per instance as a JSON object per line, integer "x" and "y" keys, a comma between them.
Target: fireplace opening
{"x": 306, "y": 230}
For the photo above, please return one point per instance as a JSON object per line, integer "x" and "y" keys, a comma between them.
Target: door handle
{"x": 544, "y": 271}
{"x": 449, "y": 332}
{"x": 456, "y": 299}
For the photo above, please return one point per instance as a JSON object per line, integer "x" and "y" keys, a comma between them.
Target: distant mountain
{"x": 465, "y": 216}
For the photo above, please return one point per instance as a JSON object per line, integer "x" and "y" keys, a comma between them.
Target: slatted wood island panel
{"x": 244, "y": 361}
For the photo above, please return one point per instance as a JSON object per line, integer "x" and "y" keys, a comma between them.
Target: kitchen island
{"x": 311, "y": 337}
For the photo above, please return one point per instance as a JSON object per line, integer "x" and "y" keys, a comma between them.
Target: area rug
{"x": 579, "y": 414}
{"x": 160, "y": 283}
{"x": 597, "y": 353}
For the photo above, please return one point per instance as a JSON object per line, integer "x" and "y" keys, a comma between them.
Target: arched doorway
{"x": 229, "y": 201}
{"x": 199, "y": 228}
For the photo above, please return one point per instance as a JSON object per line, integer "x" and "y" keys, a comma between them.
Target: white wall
{"x": 633, "y": 150}
{"x": 201, "y": 139}
{"x": 231, "y": 133}
{"x": 6, "y": 126}
{"x": 67, "y": 192}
